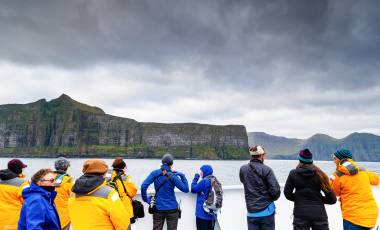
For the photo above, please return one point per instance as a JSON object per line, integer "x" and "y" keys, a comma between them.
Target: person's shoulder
{"x": 244, "y": 166}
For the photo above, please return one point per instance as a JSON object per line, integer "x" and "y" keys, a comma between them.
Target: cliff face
{"x": 364, "y": 146}
{"x": 64, "y": 126}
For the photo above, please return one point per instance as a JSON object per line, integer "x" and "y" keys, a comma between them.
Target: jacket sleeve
{"x": 197, "y": 187}
{"x": 180, "y": 182}
{"x": 144, "y": 186}
{"x": 131, "y": 187}
{"x": 373, "y": 178}
{"x": 118, "y": 212}
{"x": 241, "y": 175}
{"x": 35, "y": 215}
{"x": 335, "y": 184}
{"x": 329, "y": 197}
{"x": 274, "y": 187}
{"x": 289, "y": 188}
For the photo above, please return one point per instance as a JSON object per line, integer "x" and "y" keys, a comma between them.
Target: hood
{"x": 206, "y": 170}
{"x": 34, "y": 189}
{"x": 348, "y": 167}
{"x": 87, "y": 183}
{"x": 7, "y": 174}
{"x": 305, "y": 172}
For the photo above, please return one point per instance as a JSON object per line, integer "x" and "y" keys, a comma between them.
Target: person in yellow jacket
{"x": 63, "y": 185}
{"x": 352, "y": 184}
{"x": 124, "y": 185}
{"x": 94, "y": 205}
{"x": 11, "y": 186}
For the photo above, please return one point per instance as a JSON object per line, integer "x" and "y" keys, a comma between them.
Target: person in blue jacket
{"x": 204, "y": 220}
{"x": 165, "y": 180}
{"x": 38, "y": 211}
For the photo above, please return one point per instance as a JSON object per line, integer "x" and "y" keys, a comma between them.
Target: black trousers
{"x": 261, "y": 223}
{"x": 302, "y": 224}
{"x": 205, "y": 224}
{"x": 170, "y": 217}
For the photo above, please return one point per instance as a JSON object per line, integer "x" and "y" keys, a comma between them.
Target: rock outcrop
{"x": 66, "y": 127}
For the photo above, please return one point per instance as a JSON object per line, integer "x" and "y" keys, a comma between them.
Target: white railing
{"x": 233, "y": 215}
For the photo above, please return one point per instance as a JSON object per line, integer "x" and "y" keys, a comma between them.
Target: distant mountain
{"x": 66, "y": 127}
{"x": 364, "y": 146}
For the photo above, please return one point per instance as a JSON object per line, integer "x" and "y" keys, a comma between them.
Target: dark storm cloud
{"x": 183, "y": 58}
{"x": 229, "y": 39}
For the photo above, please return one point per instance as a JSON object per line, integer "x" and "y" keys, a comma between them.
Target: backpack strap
{"x": 103, "y": 192}
{"x": 339, "y": 173}
{"x": 121, "y": 178}
{"x": 59, "y": 179}
{"x": 163, "y": 183}
{"x": 13, "y": 182}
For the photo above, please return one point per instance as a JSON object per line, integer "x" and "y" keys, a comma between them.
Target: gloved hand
{"x": 196, "y": 176}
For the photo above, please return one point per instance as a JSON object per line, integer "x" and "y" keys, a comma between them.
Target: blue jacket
{"x": 202, "y": 189}
{"x": 165, "y": 199}
{"x": 38, "y": 211}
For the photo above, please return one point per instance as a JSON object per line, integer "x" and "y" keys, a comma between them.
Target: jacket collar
{"x": 256, "y": 160}
{"x": 35, "y": 189}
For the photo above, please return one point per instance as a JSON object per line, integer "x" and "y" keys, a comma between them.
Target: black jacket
{"x": 260, "y": 185}
{"x": 307, "y": 197}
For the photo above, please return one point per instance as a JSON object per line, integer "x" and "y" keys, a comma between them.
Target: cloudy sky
{"x": 289, "y": 68}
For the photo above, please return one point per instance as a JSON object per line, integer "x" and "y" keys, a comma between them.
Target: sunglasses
{"x": 49, "y": 180}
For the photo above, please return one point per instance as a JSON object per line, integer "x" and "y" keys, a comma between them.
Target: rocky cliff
{"x": 66, "y": 127}
{"x": 364, "y": 146}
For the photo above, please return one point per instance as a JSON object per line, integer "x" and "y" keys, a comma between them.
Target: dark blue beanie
{"x": 305, "y": 156}
{"x": 343, "y": 154}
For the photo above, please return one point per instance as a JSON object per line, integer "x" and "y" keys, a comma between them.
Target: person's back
{"x": 352, "y": 184}
{"x": 165, "y": 180}
{"x": 261, "y": 189}
{"x": 10, "y": 198}
{"x": 304, "y": 186}
{"x": 124, "y": 185}
{"x": 64, "y": 184}
{"x": 94, "y": 205}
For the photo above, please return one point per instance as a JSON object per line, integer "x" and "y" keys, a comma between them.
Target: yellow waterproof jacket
{"x": 100, "y": 209}
{"x": 11, "y": 202}
{"x": 63, "y": 184}
{"x": 353, "y": 185}
{"x": 127, "y": 194}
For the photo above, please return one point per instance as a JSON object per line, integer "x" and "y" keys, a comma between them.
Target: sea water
{"x": 227, "y": 171}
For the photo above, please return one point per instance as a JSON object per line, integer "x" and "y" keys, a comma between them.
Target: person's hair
{"x": 321, "y": 178}
{"x": 40, "y": 174}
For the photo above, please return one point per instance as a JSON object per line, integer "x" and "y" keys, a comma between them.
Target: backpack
{"x": 214, "y": 201}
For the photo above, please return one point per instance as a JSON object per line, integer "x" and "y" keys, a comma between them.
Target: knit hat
{"x": 305, "y": 156}
{"x": 95, "y": 166}
{"x": 167, "y": 159}
{"x": 61, "y": 164}
{"x": 119, "y": 163}
{"x": 16, "y": 166}
{"x": 343, "y": 154}
{"x": 256, "y": 150}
